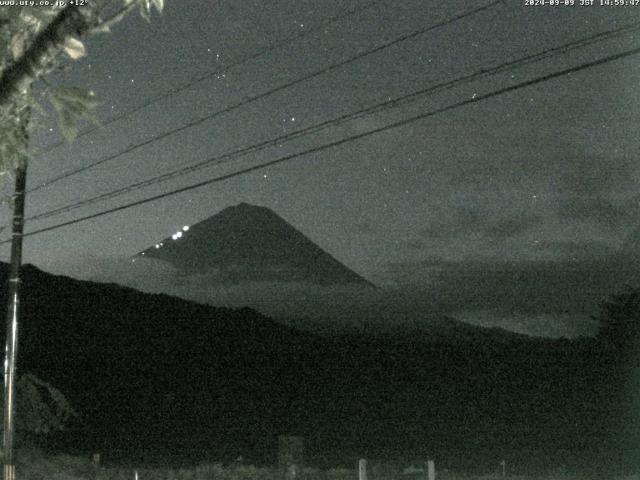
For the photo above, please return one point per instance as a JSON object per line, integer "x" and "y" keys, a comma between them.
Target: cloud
{"x": 467, "y": 221}
{"x": 554, "y": 325}
{"x": 562, "y": 288}
{"x": 346, "y": 306}
{"x": 598, "y": 209}
{"x": 580, "y": 251}
{"x": 547, "y": 298}
{"x": 453, "y": 222}
{"x": 365, "y": 228}
{"x": 412, "y": 245}
{"x": 587, "y": 175}
{"x": 511, "y": 226}
{"x": 122, "y": 270}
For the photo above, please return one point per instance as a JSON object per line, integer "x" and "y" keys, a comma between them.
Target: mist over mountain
{"x": 526, "y": 298}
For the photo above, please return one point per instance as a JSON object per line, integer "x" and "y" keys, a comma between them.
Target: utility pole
{"x": 13, "y": 299}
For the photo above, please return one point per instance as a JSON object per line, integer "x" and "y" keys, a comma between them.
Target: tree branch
{"x": 105, "y": 25}
{"x": 17, "y": 78}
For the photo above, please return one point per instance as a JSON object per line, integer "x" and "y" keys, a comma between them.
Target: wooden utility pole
{"x": 13, "y": 298}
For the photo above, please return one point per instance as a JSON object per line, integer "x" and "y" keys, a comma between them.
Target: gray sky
{"x": 512, "y": 211}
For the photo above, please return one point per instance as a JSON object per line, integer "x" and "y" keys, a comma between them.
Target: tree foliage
{"x": 33, "y": 43}
{"x": 41, "y": 408}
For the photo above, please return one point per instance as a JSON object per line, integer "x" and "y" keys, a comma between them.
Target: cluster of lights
{"x": 176, "y": 235}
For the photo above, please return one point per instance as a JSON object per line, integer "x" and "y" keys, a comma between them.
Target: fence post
{"x": 362, "y": 469}
{"x": 431, "y": 470}
{"x": 290, "y": 456}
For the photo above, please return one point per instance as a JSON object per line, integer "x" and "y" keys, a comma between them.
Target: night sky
{"x": 518, "y": 211}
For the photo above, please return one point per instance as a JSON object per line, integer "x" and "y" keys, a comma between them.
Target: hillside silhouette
{"x": 153, "y": 376}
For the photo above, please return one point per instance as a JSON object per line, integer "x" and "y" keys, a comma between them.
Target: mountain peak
{"x": 249, "y": 243}
{"x": 244, "y": 207}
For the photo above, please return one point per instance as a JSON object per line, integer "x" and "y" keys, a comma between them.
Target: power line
{"x": 388, "y": 104}
{"x": 205, "y": 76}
{"x": 352, "y": 138}
{"x": 282, "y": 87}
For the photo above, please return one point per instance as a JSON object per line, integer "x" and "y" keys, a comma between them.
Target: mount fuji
{"x": 247, "y": 243}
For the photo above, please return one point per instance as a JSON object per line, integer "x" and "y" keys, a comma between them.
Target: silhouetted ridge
{"x": 153, "y": 374}
{"x": 246, "y": 243}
